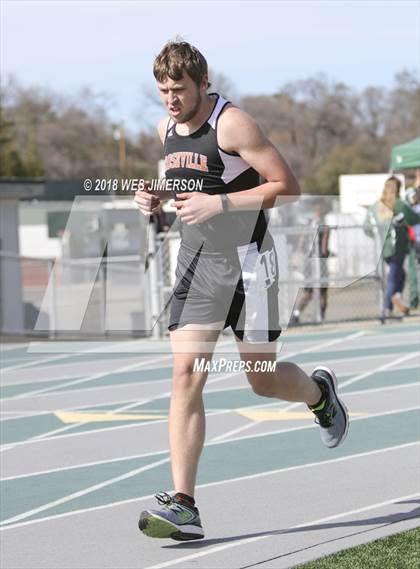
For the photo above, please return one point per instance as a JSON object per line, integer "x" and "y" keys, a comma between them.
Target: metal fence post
{"x": 52, "y": 298}
{"x": 153, "y": 281}
{"x": 102, "y": 295}
{"x": 381, "y": 276}
{"x": 318, "y": 278}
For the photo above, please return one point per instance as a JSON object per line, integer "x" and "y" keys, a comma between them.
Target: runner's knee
{"x": 186, "y": 378}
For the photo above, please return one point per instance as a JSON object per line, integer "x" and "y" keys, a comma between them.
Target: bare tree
{"x": 324, "y": 128}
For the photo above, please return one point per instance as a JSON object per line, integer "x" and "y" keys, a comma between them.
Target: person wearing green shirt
{"x": 391, "y": 217}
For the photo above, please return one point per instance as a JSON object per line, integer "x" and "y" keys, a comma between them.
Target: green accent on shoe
{"x": 319, "y": 407}
{"x": 156, "y": 527}
{"x": 185, "y": 516}
{"x": 172, "y": 520}
{"x": 333, "y": 418}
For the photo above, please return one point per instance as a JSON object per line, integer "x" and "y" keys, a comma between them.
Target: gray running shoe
{"x": 174, "y": 520}
{"x": 333, "y": 418}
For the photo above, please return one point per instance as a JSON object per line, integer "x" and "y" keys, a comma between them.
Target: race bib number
{"x": 267, "y": 268}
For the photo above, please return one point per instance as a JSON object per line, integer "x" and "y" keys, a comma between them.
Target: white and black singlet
{"x": 227, "y": 267}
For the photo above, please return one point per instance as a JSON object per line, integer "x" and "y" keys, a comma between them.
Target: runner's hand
{"x": 195, "y": 207}
{"x": 147, "y": 203}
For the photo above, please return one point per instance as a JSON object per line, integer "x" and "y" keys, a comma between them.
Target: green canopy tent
{"x": 406, "y": 155}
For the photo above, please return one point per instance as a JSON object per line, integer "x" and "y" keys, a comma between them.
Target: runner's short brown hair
{"x": 177, "y": 57}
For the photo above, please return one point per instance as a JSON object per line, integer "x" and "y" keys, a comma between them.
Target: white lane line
{"x": 135, "y": 366}
{"x": 96, "y": 350}
{"x": 348, "y": 382}
{"x": 86, "y": 464}
{"x": 59, "y": 357}
{"x": 29, "y": 414}
{"x": 377, "y": 331}
{"x": 110, "y": 350}
{"x": 359, "y": 510}
{"x": 381, "y": 368}
{"x": 318, "y": 347}
{"x": 212, "y": 441}
{"x": 209, "y": 484}
{"x": 73, "y": 347}
{"x": 44, "y": 436}
{"x": 35, "y": 362}
{"x": 314, "y": 425}
{"x": 412, "y": 384}
{"x": 122, "y": 347}
{"x": 31, "y": 383}
{"x": 311, "y": 523}
{"x": 264, "y": 433}
{"x": 80, "y": 493}
{"x": 57, "y": 388}
{"x": 106, "y": 348}
{"x": 164, "y": 395}
{"x": 164, "y": 451}
{"x": 216, "y": 411}
{"x": 138, "y": 365}
{"x": 52, "y": 379}
{"x": 125, "y": 408}
{"x": 7, "y": 347}
{"x": 315, "y": 348}
{"x": 158, "y": 359}
{"x": 109, "y": 387}
{"x": 148, "y": 423}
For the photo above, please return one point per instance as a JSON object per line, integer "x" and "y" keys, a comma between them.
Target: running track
{"x": 84, "y": 448}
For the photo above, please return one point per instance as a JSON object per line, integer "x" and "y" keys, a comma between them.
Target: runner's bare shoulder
{"x": 235, "y": 126}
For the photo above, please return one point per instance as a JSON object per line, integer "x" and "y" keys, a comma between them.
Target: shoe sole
{"x": 157, "y": 527}
{"x": 341, "y": 403}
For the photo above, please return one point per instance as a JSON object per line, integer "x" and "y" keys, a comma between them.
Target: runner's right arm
{"x": 150, "y": 202}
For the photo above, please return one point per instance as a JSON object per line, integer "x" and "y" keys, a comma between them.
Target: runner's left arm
{"x": 238, "y": 132}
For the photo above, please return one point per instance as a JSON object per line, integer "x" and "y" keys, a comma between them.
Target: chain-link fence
{"x": 85, "y": 297}
{"x": 334, "y": 275}
{"x": 342, "y": 283}
{"x": 326, "y": 274}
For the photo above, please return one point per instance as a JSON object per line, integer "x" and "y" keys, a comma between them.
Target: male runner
{"x": 226, "y": 272}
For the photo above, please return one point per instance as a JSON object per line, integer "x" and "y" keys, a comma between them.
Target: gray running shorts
{"x": 239, "y": 289}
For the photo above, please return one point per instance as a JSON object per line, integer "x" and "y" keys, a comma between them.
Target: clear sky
{"x": 110, "y": 45}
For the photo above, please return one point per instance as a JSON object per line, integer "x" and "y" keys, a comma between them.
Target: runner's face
{"x": 181, "y": 98}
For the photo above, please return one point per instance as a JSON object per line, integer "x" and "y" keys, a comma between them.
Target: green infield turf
{"x": 400, "y": 551}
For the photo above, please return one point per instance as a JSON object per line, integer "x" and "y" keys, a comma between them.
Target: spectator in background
{"x": 412, "y": 196}
{"x": 395, "y": 216}
{"x": 320, "y": 210}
